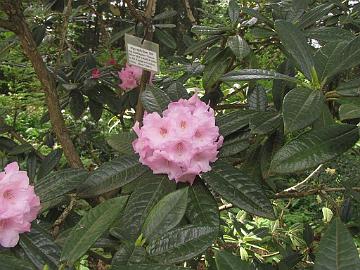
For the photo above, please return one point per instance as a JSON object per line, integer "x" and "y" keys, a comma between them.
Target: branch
{"x": 67, "y": 13}
{"x": 286, "y": 195}
{"x": 315, "y": 191}
{"x": 13, "y": 9}
{"x": 293, "y": 188}
{"x": 134, "y": 12}
{"x": 189, "y": 12}
{"x": 7, "y": 25}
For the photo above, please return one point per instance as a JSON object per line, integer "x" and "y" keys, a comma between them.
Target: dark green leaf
{"x": 234, "y": 146}
{"x": 239, "y": 47}
{"x": 265, "y": 123}
{"x": 234, "y": 121}
{"x": 202, "y": 44}
{"x": 337, "y": 250}
{"x": 202, "y": 208}
{"x": 59, "y": 183}
{"x": 208, "y": 30}
{"x": 154, "y": 99}
{"x": 165, "y": 38}
{"x": 49, "y": 163}
{"x": 227, "y": 261}
{"x": 238, "y": 188}
{"x": 257, "y": 98}
{"x": 330, "y": 34}
{"x": 39, "y": 33}
{"x": 281, "y": 88}
{"x": 181, "y": 244}
{"x": 349, "y": 111}
{"x": 314, "y": 15}
{"x": 177, "y": 91}
{"x": 116, "y": 36}
{"x": 216, "y": 68}
{"x": 13, "y": 263}
{"x": 40, "y": 248}
{"x": 327, "y": 59}
{"x": 146, "y": 267}
{"x": 20, "y": 149}
{"x": 112, "y": 175}
{"x": 234, "y": 11}
{"x": 349, "y": 89}
{"x": 90, "y": 228}
{"x": 166, "y": 214}
{"x": 165, "y": 15}
{"x": 254, "y": 74}
{"x": 301, "y": 107}
{"x": 121, "y": 142}
{"x": 314, "y": 148}
{"x": 77, "y": 104}
{"x": 96, "y": 109}
{"x": 295, "y": 43}
{"x": 150, "y": 189}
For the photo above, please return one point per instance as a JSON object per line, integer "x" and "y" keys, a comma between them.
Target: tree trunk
{"x": 20, "y": 27}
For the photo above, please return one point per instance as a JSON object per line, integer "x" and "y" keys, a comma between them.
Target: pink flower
{"x": 130, "y": 77}
{"x": 182, "y": 142}
{"x": 111, "y": 62}
{"x": 95, "y": 73}
{"x": 19, "y": 204}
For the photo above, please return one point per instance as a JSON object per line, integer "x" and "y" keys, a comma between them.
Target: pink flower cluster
{"x": 19, "y": 204}
{"x": 130, "y": 77}
{"x": 182, "y": 143}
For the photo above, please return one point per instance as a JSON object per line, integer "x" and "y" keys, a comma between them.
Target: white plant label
{"x": 143, "y": 54}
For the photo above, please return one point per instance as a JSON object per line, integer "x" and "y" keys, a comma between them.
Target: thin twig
{"x": 304, "y": 181}
{"x": 60, "y": 220}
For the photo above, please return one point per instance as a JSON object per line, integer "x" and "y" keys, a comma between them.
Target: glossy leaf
{"x": 208, "y": 30}
{"x": 14, "y": 263}
{"x": 49, "y": 163}
{"x": 234, "y": 11}
{"x": 77, "y": 104}
{"x": 202, "y": 208}
{"x": 182, "y": 243}
{"x": 216, "y": 68}
{"x": 314, "y": 148}
{"x": 238, "y": 188}
{"x": 227, "y": 261}
{"x": 265, "y": 123}
{"x": 96, "y": 109}
{"x": 150, "y": 189}
{"x": 337, "y": 250}
{"x": 165, "y": 15}
{"x": 257, "y": 98}
{"x": 234, "y": 146}
{"x": 234, "y": 121}
{"x": 301, "y": 107}
{"x": 177, "y": 91}
{"x": 349, "y": 89}
{"x": 349, "y": 111}
{"x": 59, "y": 183}
{"x": 166, "y": 214}
{"x": 238, "y": 46}
{"x": 254, "y": 74}
{"x": 165, "y": 38}
{"x": 295, "y": 43}
{"x": 112, "y": 175}
{"x": 40, "y": 248}
{"x": 202, "y": 44}
{"x": 330, "y": 34}
{"x": 147, "y": 267}
{"x": 314, "y": 15}
{"x": 90, "y": 228}
{"x": 154, "y": 99}
{"x": 121, "y": 142}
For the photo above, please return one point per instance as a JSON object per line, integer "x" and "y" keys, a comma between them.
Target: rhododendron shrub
{"x": 19, "y": 204}
{"x": 182, "y": 142}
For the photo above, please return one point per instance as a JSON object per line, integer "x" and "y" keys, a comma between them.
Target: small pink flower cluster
{"x": 130, "y": 77}
{"x": 19, "y": 204}
{"x": 182, "y": 143}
